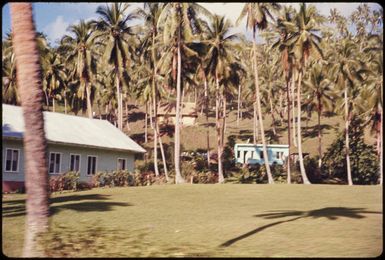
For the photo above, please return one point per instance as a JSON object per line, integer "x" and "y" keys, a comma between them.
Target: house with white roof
{"x": 252, "y": 154}
{"x": 74, "y": 143}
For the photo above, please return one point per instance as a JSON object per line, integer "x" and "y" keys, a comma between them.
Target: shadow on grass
{"x": 331, "y": 213}
{"x": 16, "y": 208}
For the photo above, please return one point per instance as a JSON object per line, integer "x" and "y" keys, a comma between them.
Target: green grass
{"x": 208, "y": 220}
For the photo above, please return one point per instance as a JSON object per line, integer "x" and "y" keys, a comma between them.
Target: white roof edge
{"x": 276, "y": 145}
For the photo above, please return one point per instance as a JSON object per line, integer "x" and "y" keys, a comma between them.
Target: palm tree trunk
{"x": 35, "y": 146}
{"x": 299, "y": 135}
{"x": 293, "y": 107}
{"x": 119, "y": 99}
{"x": 381, "y": 151}
{"x": 218, "y": 128}
{"x": 53, "y": 104}
{"x": 155, "y": 109}
{"x": 239, "y": 102}
{"x": 272, "y": 114}
{"x": 178, "y": 176}
{"x": 65, "y": 103}
{"x": 89, "y": 106}
{"x": 259, "y": 110}
{"x": 207, "y": 120}
{"x": 146, "y": 125}
{"x": 319, "y": 134}
{"x": 163, "y": 155}
{"x": 347, "y": 149}
{"x": 288, "y": 130}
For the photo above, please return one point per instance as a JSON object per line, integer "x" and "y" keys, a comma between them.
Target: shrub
{"x": 65, "y": 181}
{"x": 363, "y": 158}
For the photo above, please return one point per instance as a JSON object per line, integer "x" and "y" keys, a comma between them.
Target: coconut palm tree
{"x": 319, "y": 94}
{"x": 304, "y": 42}
{"x": 113, "y": 31}
{"x": 179, "y": 22}
{"x": 347, "y": 70}
{"x": 35, "y": 145}
{"x": 257, "y": 14}
{"x": 80, "y": 49}
{"x": 220, "y": 43}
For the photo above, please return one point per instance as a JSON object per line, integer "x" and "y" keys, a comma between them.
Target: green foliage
{"x": 363, "y": 160}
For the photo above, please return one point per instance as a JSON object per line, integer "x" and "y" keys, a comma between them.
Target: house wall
{"x": 186, "y": 120}
{"x": 106, "y": 159}
{"x": 251, "y": 155}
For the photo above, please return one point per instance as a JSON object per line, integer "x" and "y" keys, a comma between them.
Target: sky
{"x": 53, "y": 18}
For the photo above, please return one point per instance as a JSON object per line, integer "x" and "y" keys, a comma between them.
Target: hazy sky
{"x": 54, "y": 18}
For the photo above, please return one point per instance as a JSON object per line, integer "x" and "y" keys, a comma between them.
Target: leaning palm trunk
{"x": 288, "y": 131}
{"x": 155, "y": 109}
{"x": 299, "y": 135}
{"x": 162, "y": 152}
{"x": 89, "y": 106}
{"x": 35, "y": 146}
{"x": 347, "y": 149}
{"x": 178, "y": 176}
{"x": 259, "y": 111}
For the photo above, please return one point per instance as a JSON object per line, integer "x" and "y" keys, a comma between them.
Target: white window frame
{"x": 125, "y": 163}
{"x": 96, "y": 164}
{"x": 18, "y": 160}
{"x": 49, "y": 161}
{"x": 80, "y": 161}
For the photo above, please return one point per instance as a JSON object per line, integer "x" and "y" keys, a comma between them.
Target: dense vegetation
{"x": 307, "y": 63}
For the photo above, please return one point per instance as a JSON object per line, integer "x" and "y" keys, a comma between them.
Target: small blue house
{"x": 253, "y": 154}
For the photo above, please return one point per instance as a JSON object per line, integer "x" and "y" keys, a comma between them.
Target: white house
{"x": 166, "y": 114}
{"x": 253, "y": 154}
{"x": 74, "y": 144}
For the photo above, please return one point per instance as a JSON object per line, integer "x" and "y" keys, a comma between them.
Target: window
{"x": 252, "y": 155}
{"x": 121, "y": 164}
{"x": 261, "y": 154}
{"x": 75, "y": 163}
{"x": 54, "y": 162}
{"x": 12, "y": 160}
{"x": 239, "y": 154}
{"x": 91, "y": 165}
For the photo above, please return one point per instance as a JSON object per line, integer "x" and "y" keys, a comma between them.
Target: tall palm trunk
{"x": 155, "y": 109}
{"x": 35, "y": 146}
{"x": 119, "y": 99}
{"x": 319, "y": 134}
{"x": 239, "y": 103}
{"x": 53, "y": 104}
{"x": 218, "y": 128}
{"x": 288, "y": 130}
{"x": 293, "y": 107}
{"x": 347, "y": 149}
{"x": 88, "y": 93}
{"x": 65, "y": 102}
{"x": 272, "y": 113}
{"x": 381, "y": 151}
{"x": 259, "y": 111}
{"x": 299, "y": 135}
{"x": 207, "y": 119}
{"x": 146, "y": 124}
{"x": 178, "y": 176}
{"x": 162, "y": 152}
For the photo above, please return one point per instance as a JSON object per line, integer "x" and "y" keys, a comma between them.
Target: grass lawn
{"x": 234, "y": 220}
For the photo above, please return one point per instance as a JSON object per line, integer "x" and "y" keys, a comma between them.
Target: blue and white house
{"x": 253, "y": 154}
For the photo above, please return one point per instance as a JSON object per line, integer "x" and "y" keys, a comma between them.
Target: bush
{"x": 65, "y": 181}
{"x": 363, "y": 158}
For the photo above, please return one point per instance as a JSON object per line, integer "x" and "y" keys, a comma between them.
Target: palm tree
{"x": 303, "y": 41}
{"x": 180, "y": 23}
{"x": 257, "y": 14}
{"x": 347, "y": 70}
{"x": 219, "y": 57}
{"x": 81, "y": 51}
{"x": 114, "y": 31}
{"x": 35, "y": 146}
{"x": 53, "y": 76}
{"x": 319, "y": 95}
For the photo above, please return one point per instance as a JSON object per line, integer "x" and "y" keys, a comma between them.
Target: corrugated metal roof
{"x": 69, "y": 129}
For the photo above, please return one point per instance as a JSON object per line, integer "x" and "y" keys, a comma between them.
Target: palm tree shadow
{"x": 331, "y": 213}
